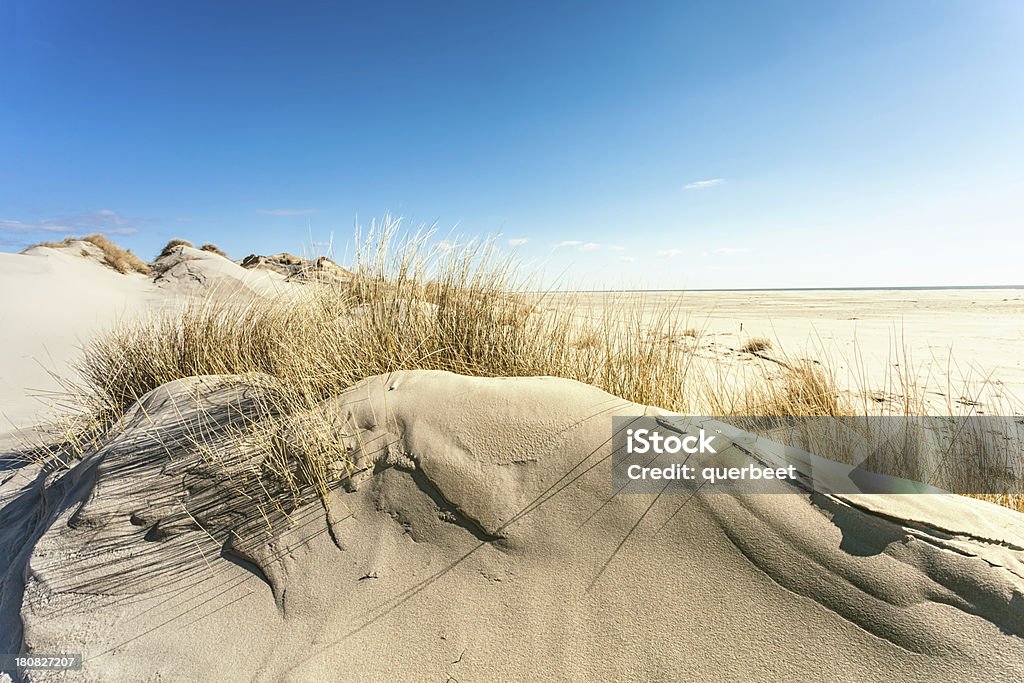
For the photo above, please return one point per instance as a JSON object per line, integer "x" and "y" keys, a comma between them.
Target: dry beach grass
{"x": 471, "y": 311}
{"x": 120, "y": 259}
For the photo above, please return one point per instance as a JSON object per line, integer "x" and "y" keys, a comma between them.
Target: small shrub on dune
{"x": 214, "y": 249}
{"x": 117, "y": 257}
{"x": 172, "y": 245}
{"x": 52, "y": 245}
{"x": 756, "y": 345}
{"x": 802, "y": 390}
{"x": 120, "y": 259}
{"x": 589, "y": 339}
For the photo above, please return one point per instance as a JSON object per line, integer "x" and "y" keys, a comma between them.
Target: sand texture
{"x": 485, "y": 544}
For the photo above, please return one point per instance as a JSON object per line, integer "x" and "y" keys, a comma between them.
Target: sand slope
{"x": 51, "y": 301}
{"x": 54, "y": 300}
{"x": 480, "y": 541}
{"x": 187, "y": 270}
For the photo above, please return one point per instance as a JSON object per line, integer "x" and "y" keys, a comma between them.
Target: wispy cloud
{"x": 287, "y": 212}
{"x": 517, "y": 241}
{"x": 627, "y": 259}
{"x": 616, "y": 247}
{"x": 578, "y": 244}
{"x": 104, "y": 221}
{"x": 702, "y": 184}
{"x": 446, "y": 246}
{"x": 670, "y": 253}
{"x": 729, "y": 251}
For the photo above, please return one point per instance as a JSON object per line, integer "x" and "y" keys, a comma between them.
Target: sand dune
{"x": 485, "y": 544}
{"x": 53, "y": 301}
{"x": 194, "y": 271}
{"x": 57, "y": 299}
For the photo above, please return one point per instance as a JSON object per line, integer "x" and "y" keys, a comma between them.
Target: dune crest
{"x": 185, "y": 269}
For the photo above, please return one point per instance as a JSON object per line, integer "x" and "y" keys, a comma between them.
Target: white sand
{"x": 487, "y": 546}
{"x": 53, "y": 301}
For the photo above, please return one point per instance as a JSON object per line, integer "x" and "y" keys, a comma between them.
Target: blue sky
{"x": 656, "y": 145}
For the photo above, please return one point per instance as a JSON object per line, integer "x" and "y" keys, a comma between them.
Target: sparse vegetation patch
{"x": 120, "y": 259}
{"x": 213, "y": 248}
{"x": 172, "y": 245}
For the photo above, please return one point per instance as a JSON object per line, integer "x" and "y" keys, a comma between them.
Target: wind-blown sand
{"x": 483, "y": 544}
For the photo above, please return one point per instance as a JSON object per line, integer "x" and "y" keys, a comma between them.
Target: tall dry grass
{"x": 470, "y": 310}
{"x": 214, "y": 249}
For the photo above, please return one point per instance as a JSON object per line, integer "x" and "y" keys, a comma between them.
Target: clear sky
{"x": 640, "y": 144}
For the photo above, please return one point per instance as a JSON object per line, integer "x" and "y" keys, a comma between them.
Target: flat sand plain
{"x": 965, "y": 336}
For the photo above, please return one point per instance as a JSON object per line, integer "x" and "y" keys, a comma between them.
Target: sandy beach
{"x": 968, "y": 338}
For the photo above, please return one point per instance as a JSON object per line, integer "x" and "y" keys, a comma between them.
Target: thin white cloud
{"x": 669, "y": 253}
{"x": 517, "y": 241}
{"x": 729, "y": 251}
{"x": 446, "y": 246}
{"x": 34, "y": 226}
{"x": 627, "y": 259}
{"x": 616, "y": 247}
{"x": 702, "y": 184}
{"x": 103, "y": 221}
{"x": 287, "y": 212}
{"x": 579, "y": 245}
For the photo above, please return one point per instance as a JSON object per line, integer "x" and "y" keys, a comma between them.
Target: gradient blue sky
{"x": 662, "y": 145}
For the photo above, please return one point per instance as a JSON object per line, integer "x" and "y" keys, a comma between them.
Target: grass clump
{"x": 115, "y": 256}
{"x": 172, "y": 245}
{"x": 213, "y": 248}
{"x": 756, "y": 345}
